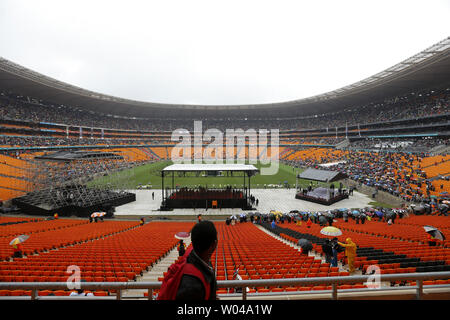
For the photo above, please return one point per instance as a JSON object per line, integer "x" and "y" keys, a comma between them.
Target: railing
{"x": 243, "y": 284}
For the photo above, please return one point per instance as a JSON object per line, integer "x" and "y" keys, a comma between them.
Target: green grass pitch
{"x": 150, "y": 174}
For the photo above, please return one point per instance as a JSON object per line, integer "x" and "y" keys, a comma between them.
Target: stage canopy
{"x": 227, "y": 197}
{"x": 322, "y": 175}
{"x": 211, "y": 167}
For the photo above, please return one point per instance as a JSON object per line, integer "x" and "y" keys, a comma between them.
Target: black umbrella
{"x": 306, "y": 245}
{"x": 329, "y": 214}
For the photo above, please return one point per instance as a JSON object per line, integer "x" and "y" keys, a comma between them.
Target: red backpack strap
{"x": 192, "y": 270}
{"x": 172, "y": 280}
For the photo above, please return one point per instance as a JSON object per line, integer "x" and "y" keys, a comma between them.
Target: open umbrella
{"x": 19, "y": 239}
{"x": 390, "y": 214}
{"x": 305, "y": 244}
{"x": 322, "y": 219}
{"x": 98, "y": 214}
{"x": 434, "y": 232}
{"x": 182, "y": 235}
{"x": 379, "y": 213}
{"x": 329, "y": 214}
{"x": 429, "y": 228}
{"x": 331, "y": 231}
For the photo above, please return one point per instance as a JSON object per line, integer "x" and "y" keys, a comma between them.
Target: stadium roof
{"x": 425, "y": 70}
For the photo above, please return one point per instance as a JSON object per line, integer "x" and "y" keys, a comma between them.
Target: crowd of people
{"x": 374, "y": 169}
{"x": 186, "y": 193}
{"x": 15, "y": 107}
{"x": 324, "y": 218}
{"x": 36, "y": 141}
{"x": 390, "y": 172}
{"x": 400, "y": 145}
{"x": 39, "y": 141}
{"x": 313, "y": 141}
{"x": 397, "y": 173}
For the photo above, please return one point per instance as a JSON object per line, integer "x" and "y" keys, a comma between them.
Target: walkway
{"x": 269, "y": 199}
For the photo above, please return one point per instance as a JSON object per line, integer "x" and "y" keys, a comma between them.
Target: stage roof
{"x": 321, "y": 175}
{"x": 211, "y": 167}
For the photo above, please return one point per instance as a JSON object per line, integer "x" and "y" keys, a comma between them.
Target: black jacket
{"x": 326, "y": 248}
{"x": 191, "y": 288}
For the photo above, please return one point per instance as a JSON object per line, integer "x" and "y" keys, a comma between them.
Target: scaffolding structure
{"x": 77, "y": 186}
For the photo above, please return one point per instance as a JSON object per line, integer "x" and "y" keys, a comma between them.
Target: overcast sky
{"x": 217, "y": 52}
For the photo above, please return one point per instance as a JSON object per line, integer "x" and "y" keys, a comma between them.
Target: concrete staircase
{"x": 157, "y": 271}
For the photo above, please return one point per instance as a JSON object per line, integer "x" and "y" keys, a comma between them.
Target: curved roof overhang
{"x": 427, "y": 69}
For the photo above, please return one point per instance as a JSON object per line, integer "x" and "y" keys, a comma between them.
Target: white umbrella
{"x": 435, "y": 233}
{"x": 331, "y": 231}
{"x": 19, "y": 239}
{"x": 182, "y": 235}
{"x": 98, "y": 214}
{"x": 429, "y": 228}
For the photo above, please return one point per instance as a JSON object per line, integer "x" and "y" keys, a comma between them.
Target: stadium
{"x": 371, "y": 159}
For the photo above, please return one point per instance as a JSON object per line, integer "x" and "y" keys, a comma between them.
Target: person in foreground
{"x": 204, "y": 242}
{"x": 192, "y": 277}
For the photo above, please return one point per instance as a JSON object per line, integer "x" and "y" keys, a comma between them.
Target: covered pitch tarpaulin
{"x": 322, "y": 175}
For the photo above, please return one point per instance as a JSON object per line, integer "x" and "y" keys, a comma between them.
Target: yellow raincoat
{"x": 350, "y": 253}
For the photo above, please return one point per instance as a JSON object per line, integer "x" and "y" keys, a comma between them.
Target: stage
{"x": 322, "y": 196}
{"x": 269, "y": 199}
{"x": 180, "y": 197}
{"x": 202, "y": 198}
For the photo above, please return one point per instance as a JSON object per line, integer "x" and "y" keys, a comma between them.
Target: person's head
{"x": 204, "y": 238}
{"x": 348, "y": 240}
